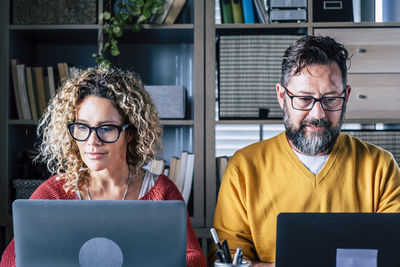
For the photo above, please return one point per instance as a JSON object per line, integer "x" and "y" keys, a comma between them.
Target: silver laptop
{"x": 99, "y": 233}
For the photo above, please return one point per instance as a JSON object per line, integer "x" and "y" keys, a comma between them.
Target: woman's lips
{"x": 95, "y": 155}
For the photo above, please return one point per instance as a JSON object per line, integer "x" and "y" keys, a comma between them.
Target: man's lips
{"x": 315, "y": 128}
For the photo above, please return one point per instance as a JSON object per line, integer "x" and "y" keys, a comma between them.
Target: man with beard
{"x": 311, "y": 167}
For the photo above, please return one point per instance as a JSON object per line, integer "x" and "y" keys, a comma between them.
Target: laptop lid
{"x": 99, "y": 233}
{"x": 314, "y": 239}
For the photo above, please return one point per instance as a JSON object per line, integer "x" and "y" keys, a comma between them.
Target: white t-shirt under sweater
{"x": 149, "y": 180}
{"x": 313, "y": 163}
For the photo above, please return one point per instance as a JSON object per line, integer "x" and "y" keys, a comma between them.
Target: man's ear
{"x": 280, "y": 93}
{"x": 348, "y": 90}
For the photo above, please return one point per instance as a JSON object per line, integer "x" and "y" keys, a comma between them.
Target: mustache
{"x": 317, "y": 123}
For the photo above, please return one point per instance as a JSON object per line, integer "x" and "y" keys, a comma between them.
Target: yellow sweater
{"x": 267, "y": 178}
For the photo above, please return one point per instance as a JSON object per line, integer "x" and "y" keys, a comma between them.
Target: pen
{"x": 227, "y": 252}
{"x": 219, "y": 252}
{"x": 237, "y": 256}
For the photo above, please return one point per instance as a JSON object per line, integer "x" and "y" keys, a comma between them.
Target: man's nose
{"x": 317, "y": 112}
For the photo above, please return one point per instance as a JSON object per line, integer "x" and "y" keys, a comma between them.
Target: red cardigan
{"x": 164, "y": 189}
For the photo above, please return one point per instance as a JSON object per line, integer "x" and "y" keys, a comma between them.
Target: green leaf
{"x": 140, "y": 3}
{"x": 107, "y": 15}
{"x": 119, "y": 34}
{"x": 156, "y": 10}
{"x": 136, "y": 27}
{"x": 116, "y": 30}
{"x": 113, "y": 42}
{"x": 136, "y": 12}
{"x": 114, "y": 50}
{"x": 141, "y": 19}
{"x": 146, "y": 14}
{"x": 147, "y": 4}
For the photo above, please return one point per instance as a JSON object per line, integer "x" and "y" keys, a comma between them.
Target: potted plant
{"x": 128, "y": 14}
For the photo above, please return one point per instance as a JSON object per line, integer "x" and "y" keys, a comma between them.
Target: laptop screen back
{"x": 312, "y": 239}
{"x": 99, "y": 233}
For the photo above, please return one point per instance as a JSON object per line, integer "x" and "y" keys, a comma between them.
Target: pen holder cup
{"x": 244, "y": 263}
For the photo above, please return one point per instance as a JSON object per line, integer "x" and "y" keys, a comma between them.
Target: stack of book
{"x": 34, "y": 86}
{"x": 180, "y": 172}
{"x": 249, "y": 68}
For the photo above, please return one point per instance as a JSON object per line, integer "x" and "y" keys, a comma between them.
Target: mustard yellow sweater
{"x": 267, "y": 178}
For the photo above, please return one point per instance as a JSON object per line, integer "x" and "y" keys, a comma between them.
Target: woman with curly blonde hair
{"x": 98, "y": 132}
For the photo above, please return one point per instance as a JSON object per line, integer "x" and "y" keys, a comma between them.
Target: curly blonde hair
{"x": 128, "y": 95}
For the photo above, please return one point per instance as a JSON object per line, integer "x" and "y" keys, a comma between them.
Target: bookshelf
{"x": 160, "y": 54}
{"x": 212, "y": 33}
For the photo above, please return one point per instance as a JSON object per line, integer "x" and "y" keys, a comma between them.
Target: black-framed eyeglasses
{"x": 305, "y": 103}
{"x": 107, "y": 133}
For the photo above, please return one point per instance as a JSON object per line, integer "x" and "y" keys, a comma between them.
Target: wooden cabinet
{"x": 374, "y": 72}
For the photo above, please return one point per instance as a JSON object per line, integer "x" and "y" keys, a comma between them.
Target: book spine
{"x": 16, "y": 90}
{"x": 23, "y": 92}
{"x": 248, "y": 11}
{"x": 237, "y": 12}
{"x": 31, "y": 93}
{"x": 226, "y": 10}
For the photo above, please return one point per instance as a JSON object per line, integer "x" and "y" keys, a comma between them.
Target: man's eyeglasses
{"x": 305, "y": 103}
{"x": 107, "y": 133}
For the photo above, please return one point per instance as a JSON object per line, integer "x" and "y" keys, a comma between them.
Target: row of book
{"x": 180, "y": 172}
{"x": 34, "y": 86}
{"x": 262, "y": 11}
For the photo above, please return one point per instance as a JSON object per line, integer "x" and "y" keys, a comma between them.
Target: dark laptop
{"x": 99, "y": 233}
{"x": 314, "y": 239}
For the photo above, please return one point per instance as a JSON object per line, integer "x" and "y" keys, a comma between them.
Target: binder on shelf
{"x": 14, "y": 75}
{"x": 226, "y": 10}
{"x": 248, "y": 11}
{"x": 237, "y": 12}
{"x": 31, "y": 93}
{"x": 174, "y": 12}
{"x": 23, "y": 92}
{"x": 249, "y": 67}
{"x": 161, "y": 17}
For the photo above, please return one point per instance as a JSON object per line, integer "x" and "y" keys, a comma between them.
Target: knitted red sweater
{"x": 164, "y": 189}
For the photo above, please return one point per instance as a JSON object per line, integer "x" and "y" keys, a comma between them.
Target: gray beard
{"x": 314, "y": 143}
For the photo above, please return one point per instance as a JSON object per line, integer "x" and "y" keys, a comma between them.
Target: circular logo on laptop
{"x": 101, "y": 252}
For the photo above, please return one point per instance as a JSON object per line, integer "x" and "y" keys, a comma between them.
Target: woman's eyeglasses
{"x": 107, "y": 133}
